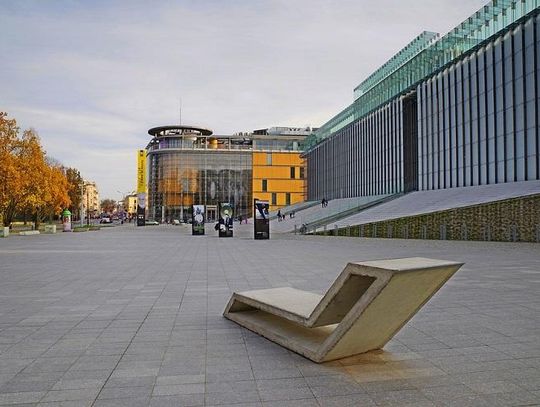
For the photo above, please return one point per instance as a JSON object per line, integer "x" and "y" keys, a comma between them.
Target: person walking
{"x": 279, "y": 215}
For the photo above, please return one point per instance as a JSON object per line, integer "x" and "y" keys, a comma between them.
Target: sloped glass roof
{"x": 422, "y": 57}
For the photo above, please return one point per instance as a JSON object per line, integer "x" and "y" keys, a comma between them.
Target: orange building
{"x": 279, "y": 173}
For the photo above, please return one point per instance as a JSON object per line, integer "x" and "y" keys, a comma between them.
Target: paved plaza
{"x": 131, "y": 316}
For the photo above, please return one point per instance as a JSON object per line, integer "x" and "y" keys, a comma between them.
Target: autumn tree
{"x": 29, "y": 182}
{"x": 10, "y": 175}
{"x": 75, "y": 182}
{"x": 108, "y": 205}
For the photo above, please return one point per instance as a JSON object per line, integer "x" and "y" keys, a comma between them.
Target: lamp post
{"x": 87, "y": 207}
{"x": 81, "y": 211}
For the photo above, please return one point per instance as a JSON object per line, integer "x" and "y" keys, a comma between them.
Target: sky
{"x": 92, "y": 76}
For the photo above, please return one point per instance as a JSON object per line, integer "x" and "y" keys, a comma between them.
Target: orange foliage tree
{"x": 29, "y": 183}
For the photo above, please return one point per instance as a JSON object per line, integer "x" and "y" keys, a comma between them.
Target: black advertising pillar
{"x": 262, "y": 220}
{"x": 197, "y": 220}
{"x": 225, "y": 220}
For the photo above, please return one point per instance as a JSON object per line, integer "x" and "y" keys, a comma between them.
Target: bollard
{"x": 405, "y": 231}
{"x": 4, "y": 232}
{"x": 361, "y": 231}
{"x": 335, "y": 230}
{"x": 424, "y": 231}
{"x": 295, "y": 229}
{"x": 389, "y": 231}
{"x": 375, "y": 230}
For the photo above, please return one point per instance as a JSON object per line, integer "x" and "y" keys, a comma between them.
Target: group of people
{"x": 324, "y": 203}
{"x": 281, "y": 216}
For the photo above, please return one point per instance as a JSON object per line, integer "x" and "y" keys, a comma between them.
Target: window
{"x": 293, "y": 172}
{"x": 264, "y": 185}
{"x": 288, "y": 198}
{"x": 269, "y": 159}
{"x": 274, "y": 198}
{"x": 302, "y": 172}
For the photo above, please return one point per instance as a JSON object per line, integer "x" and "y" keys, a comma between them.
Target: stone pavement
{"x": 132, "y": 317}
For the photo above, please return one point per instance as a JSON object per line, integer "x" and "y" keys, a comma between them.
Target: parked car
{"x": 151, "y": 222}
{"x": 175, "y": 222}
{"x": 105, "y": 220}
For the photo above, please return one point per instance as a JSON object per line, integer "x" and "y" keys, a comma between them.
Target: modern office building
{"x": 190, "y": 165}
{"x": 278, "y": 168}
{"x": 444, "y": 112}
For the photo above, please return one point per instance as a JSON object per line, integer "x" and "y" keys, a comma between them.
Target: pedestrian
{"x": 279, "y": 215}
{"x": 240, "y": 219}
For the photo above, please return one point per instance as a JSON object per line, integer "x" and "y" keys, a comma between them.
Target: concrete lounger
{"x": 364, "y": 308}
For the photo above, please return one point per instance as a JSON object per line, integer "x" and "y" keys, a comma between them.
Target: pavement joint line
{"x": 127, "y": 347}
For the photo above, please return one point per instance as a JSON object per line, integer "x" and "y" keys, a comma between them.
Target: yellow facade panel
{"x": 276, "y": 170}
{"x": 267, "y": 172}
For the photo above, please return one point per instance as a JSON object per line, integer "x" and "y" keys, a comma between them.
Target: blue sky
{"x": 93, "y": 76}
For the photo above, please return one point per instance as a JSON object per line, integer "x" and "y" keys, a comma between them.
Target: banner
{"x": 141, "y": 187}
{"x": 262, "y": 220}
{"x": 197, "y": 220}
{"x": 141, "y": 171}
{"x": 225, "y": 220}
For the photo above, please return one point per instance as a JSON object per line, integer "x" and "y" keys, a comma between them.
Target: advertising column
{"x": 197, "y": 221}
{"x": 262, "y": 220}
{"x": 141, "y": 187}
{"x": 225, "y": 220}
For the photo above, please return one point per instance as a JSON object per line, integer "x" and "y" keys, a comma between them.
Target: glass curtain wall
{"x": 180, "y": 179}
{"x": 478, "y": 119}
{"x": 422, "y": 57}
{"x": 363, "y": 159}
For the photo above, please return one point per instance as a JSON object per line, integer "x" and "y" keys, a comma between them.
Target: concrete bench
{"x": 29, "y": 232}
{"x": 50, "y": 229}
{"x": 364, "y": 308}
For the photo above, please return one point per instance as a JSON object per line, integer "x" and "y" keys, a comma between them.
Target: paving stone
{"x": 144, "y": 327}
{"x": 9, "y": 399}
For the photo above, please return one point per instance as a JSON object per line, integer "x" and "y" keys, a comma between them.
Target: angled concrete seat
{"x": 364, "y": 308}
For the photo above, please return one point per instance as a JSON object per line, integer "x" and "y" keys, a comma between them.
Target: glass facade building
{"x": 451, "y": 111}
{"x": 189, "y": 165}
{"x": 192, "y": 166}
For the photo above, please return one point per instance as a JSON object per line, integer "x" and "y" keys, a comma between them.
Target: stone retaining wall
{"x": 510, "y": 220}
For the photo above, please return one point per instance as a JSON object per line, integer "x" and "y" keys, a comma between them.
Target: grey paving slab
{"x": 129, "y": 316}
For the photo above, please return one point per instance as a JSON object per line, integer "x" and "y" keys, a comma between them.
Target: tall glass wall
{"x": 422, "y": 57}
{"x": 478, "y": 119}
{"x": 181, "y": 178}
{"x": 365, "y": 158}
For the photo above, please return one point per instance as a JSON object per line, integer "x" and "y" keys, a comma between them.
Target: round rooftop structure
{"x": 178, "y": 129}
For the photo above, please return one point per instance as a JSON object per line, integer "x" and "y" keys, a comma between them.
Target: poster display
{"x": 197, "y": 220}
{"x": 225, "y": 220}
{"x": 262, "y": 220}
{"x": 141, "y": 187}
